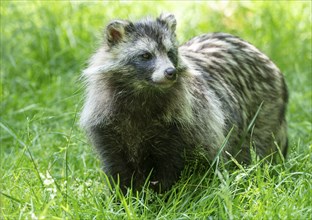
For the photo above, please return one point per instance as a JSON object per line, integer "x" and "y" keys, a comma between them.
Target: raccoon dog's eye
{"x": 146, "y": 56}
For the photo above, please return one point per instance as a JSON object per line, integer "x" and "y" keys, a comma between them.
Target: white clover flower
{"x": 89, "y": 183}
{"x": 49, "y": 184}
{"x": 33, "y": 216}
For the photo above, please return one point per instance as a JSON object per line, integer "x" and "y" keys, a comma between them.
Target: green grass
{"x": 48, "y": 170}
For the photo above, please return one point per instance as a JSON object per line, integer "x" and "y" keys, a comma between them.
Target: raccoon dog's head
{"x": 143, "y": 54}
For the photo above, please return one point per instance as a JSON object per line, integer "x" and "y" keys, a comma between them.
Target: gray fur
{"x": 144, "y": 121}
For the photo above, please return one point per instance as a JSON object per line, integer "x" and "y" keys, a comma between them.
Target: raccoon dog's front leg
{"x": 115, "y": 161}
{"x": 168, "y": 159}
{"x": 167, "y": 170}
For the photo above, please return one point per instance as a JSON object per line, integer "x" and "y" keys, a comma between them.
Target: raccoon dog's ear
{"x": 169, "y": 20}
{"x": 115, "y": 31}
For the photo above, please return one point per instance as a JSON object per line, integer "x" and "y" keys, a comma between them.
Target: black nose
{"x": 170, "y": 73}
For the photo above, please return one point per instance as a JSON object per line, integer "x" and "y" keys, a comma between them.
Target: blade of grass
{"x": 9, "y": 131}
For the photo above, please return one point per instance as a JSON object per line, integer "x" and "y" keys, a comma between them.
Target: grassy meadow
{"x": 48, "y": 169}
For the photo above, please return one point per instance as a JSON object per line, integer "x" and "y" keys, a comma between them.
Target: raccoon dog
{"x": 151, "y": 105}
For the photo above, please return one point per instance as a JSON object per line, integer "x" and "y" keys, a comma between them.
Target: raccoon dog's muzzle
{"x": 165, "y": 74}
{"x": 171, "y": 73}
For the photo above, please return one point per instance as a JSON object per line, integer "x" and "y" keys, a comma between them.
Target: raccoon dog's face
{"x": 144, "y": 54}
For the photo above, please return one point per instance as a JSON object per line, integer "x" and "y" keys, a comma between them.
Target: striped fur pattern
{"x": 152, "y": 105}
